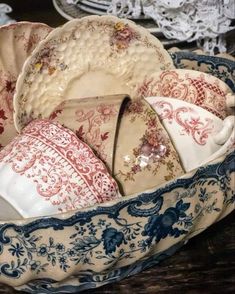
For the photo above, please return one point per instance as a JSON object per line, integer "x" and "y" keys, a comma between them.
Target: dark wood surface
{"x": 36, "y": 11}
{"x": 205, "y": 265}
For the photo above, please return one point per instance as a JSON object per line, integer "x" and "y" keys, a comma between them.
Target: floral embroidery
{"x": 31, "y": 41}
{"x": 101, "y": 240}
{"x": 17, "y": 250}
{"x": 26, "y": 41}
{"x": 7, "y": 83}
{"x": 91, "y": 132}
{"x": 46, "y": 60}
{"x": 90, "y": 125}
{"x": 154, "y": 148}
{"x": 118, "y": 37}
{"x": 195, "y": 90}
{"x": 192, "y": 125}
{"x": 112, "y": 239}
{"x": 68, "y": 174}
{"x": 122, "y": 36}
{"x": 84, "y": 246}
{"x": 161, "y": 226}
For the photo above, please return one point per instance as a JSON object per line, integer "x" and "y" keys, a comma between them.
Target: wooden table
{"x": 205, "y": 265}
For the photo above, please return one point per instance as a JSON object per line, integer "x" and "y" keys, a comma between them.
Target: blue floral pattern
{"x": 160, "y": 226}
{"x": 110, "y": 242}
{"x": 112, "y": 239}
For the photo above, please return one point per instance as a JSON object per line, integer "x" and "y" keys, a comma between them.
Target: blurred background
{"x": 57, "y": 12}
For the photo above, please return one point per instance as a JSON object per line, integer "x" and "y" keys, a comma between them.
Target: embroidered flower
{"x": 62, "y": 259}
{"x": 60, "y": 247}
{"x": 152, "y": 122}
{"x": 136, "y": 168}
{"x": 92, "y": 229}
{"x": 112, "y": 239}
{"x": 106, "y": 111}
{"x": 160, "y": 226}
{"x": 119, "y": 26}
{"x": 122, "y": 35}
{"x": 17, "y": 250}
{"x": 153, "y": 145}
{"x": 43, "y": 250}
{"x": 135, "y": 107}
{"x": 71, "y": 253}
{"x": 203, "y": 196}
{"x": 81, "y": 230}
{"x": 35, "y": 266}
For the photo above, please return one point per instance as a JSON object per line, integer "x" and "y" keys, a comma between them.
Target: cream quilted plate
{"x": 92, "y": 56}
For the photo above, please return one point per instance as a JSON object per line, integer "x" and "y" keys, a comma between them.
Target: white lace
{"x": 201, "y": 20}
{"x": 4, "y": 18}
{"x": 72, "y": 1}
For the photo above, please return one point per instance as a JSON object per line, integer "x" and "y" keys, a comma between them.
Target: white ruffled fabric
{"x": 185, "y": 20}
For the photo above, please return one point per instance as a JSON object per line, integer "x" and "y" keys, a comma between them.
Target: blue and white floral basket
{"x": 90, "y": 248}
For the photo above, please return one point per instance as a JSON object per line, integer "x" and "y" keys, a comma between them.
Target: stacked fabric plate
{"x": 77, "y": 9}
{"x": 91, "y": 128}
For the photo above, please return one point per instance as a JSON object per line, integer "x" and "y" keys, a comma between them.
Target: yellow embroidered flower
{"x": 38, "y": 66}
{"x": 121, "y": 45}
{"x": 119, "y": 26}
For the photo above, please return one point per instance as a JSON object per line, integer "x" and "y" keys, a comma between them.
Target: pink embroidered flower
{"x": 153, "y": 145}
{"x": 106, "y": 111}
{"x": 135, "y": 107}
{"x": 136, "y": 168}
{"x": 125, "y": 35}
{"x": 194, "y": 121}
{"x": 153, "y": 138}
{"x": 152, "y": 122}
{"x": 122, "y": 36}
{"x": 43, "y": 61}
{"x": 32, "y": 41}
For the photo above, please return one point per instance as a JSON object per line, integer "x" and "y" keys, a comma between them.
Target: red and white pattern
{"x": 17, "y": 42}
{"x": 7, "y": 86}
{"x": 89, "y": 124}
{"x": 188, "y": 119}
{"x": 65, "y": 170}
{"x": 197, "y": 88}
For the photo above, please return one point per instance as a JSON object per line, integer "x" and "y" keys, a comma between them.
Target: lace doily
{"x": 72, "y": 1}
{"x": 4, "y": 18}
{"x": 185, "y": 20}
